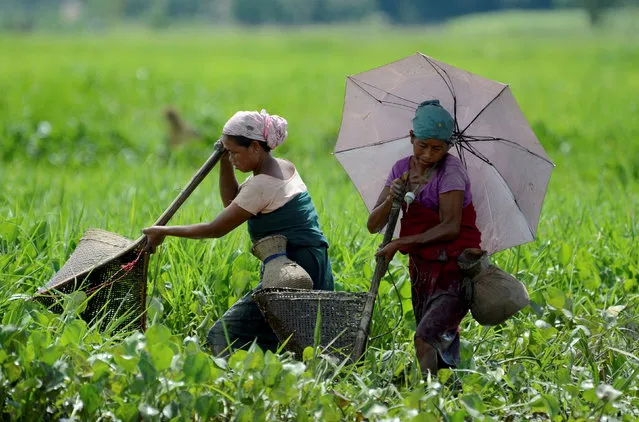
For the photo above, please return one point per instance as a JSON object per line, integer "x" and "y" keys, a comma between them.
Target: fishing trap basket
{"x": 344, "y": 317}
{"x": 293, "y": 316}
{"x": 112, "y": 270}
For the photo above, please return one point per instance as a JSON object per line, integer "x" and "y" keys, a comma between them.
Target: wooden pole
{"x": 380, "y": 268}
{"x": 190, "y": 187}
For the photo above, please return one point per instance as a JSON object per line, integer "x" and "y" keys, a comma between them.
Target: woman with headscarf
{"x": 273, "y": 201}
{"x": 435, "y": 229}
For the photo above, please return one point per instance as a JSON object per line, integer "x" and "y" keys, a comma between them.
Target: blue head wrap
{"x": 433, "y": 121}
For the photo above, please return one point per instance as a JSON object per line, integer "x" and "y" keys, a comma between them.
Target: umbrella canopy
{"x": 508, "y": 168}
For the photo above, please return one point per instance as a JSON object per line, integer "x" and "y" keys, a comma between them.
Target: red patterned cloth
{"x": 436, "y": 280}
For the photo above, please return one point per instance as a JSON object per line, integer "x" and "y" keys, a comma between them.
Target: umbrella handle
{"x": 380, "y": 268}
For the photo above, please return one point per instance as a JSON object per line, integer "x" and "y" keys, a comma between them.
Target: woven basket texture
{"x": 95, "y": 266}
{"x": 293, "y": 313}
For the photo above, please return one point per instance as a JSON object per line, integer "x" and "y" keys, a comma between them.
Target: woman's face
{"x": 245, "y": 159}
{"x": 428, "y": 152}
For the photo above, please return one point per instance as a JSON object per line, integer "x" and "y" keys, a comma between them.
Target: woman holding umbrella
{"x": 435, "y": 229}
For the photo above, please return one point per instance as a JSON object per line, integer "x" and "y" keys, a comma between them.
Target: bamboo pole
{"x": 190, "y": 187}
{"x": 380, "y": 268}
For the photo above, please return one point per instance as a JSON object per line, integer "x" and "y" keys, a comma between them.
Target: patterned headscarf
{"x": 257, "y": 126}
{"x": 433, "y": 121}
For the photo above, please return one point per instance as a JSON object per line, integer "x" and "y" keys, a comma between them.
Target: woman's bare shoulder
{"x": 288, "y": 168}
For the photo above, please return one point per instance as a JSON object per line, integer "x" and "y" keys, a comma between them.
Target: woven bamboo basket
{"x": 293, "y": 316}
{"x": 345, "y": 317}
{"x": 112, "y": 270}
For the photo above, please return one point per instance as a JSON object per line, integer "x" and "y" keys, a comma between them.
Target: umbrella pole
{"x": 380, "y": 268}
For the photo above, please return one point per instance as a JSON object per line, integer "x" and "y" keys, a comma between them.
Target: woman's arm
{"x": 230, "y": 218}
{"x": 450, "y": 217}
{"x": 379, "y": 216}
{"x": 228, "y": 183}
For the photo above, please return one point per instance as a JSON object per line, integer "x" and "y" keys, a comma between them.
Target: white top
{"x": 264, "y": 193}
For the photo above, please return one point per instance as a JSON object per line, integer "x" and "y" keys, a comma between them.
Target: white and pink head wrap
{"x": 258, "y": 126}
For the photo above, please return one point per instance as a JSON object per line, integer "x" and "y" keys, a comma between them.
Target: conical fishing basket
{"x": 111, "y": 270}
{"x": 293, "y": 316}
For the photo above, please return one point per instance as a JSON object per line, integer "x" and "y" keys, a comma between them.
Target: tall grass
{"x": 82, "y": 145}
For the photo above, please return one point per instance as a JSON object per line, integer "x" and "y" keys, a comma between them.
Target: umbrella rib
{"x": 482, "y": 110}
{"x": 469, "y": 139}
{"x": 439, "y": 71}
{"x": 372, "y": 145}
{"x": 487, "y": 161}
{"x": 449, "y": 84}
{"x": 359, "y": 85}
{"x": 358, "y": 81}
{"x": 476, "y": 153}
{"x": 462, "y": 157}
{"x": 490, "y": 209}
{"x": 399, "y": 105}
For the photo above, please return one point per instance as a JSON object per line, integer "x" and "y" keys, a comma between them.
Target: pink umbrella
{"x": 509, "y": 169}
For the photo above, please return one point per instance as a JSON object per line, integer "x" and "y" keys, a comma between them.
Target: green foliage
{"x": 81, "y": 137}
